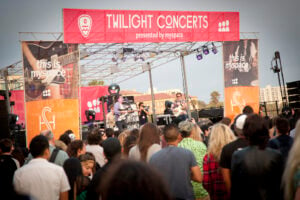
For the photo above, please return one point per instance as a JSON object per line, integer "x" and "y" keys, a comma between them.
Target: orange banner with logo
{"x": 56, "y": 115}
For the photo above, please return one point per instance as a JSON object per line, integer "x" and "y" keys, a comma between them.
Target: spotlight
{"x": 205, "y": 50}
{"x": 214, "y": 49}
{"x": 199, "y": 56}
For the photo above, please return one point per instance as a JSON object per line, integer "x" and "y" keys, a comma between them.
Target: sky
{"x": 275, "y": 22}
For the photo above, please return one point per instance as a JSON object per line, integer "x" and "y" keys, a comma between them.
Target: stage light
{"x": 199, "y": 56}
{"x": 214, "y": 49}
{"x": 205, "y": 50}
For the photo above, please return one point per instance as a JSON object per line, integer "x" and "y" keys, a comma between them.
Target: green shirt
{"x": 199, "y": 150}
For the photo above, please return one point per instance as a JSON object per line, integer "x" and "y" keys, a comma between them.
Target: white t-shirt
{"x": 97, "y": 151}
{"x": 41, "y": 179}
{"x": 135, "y": 154}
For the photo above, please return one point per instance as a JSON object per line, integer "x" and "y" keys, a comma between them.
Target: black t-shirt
{"x": 283, "y": 143}
{"x": 229, "y": 149}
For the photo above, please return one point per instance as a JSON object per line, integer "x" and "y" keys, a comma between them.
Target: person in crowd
{"x": 122, "y": 177}
{"x": 177, "y": 165}
{"x": 130, "y": 141}
{"x": 228, "y": 149}
{"x": 112, "y": 152}
{"x": 247, "y": 110}
{"x": 283, "y": 142}
{"x": 77, "y": 181}
{"x": 196, "y": 135}
{"x": 291, "y": 175}
{"x": 226, "y": 121}
{"x": 57, "y": 156}
{"x": 109, "y": 132}
{"x": 271, "y": 126}
{"x": 135, "y": 132}
{"x": 148, "y": 143}
{"x": 110, "y": 118}
{"x": 88, "y": 164}
{"x": 256, "y": 171}
{"x": 20, "y": 154}
{"x": 39, "y": 178}
{"x": 213, "y": 180}
{"x": 205, "y": 132}
{"x": 65, "y": 138}
{"x": 93, "y": 146}
{"x": 120, "y": 114}
{"x": 168, "y": 108}
{"x": 143, "y": 114}
{"x": 8, "y": 166}
{"x": 122, "y": 138}
{"x": 60, "y": 145}
{"x": 186, "y": 129}
{"x": 76, "y": 148}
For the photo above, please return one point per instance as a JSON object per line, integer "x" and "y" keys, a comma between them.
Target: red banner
{"x": 122, "y": 26}
{"x": 90, "y": 101}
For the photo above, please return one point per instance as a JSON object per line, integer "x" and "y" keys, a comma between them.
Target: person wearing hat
{"x": 187, "y": 129}
{"x": 227, "y": 151}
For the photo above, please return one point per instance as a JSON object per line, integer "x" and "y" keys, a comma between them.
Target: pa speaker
{"x": 293, "y": 89}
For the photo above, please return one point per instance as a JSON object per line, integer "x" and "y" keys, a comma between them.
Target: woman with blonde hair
{"x": 213, "y": 181}
{"x": 148, "y": 143}
{"x": 291, "y": 175}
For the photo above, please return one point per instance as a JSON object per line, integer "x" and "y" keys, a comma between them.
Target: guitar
{"x": 178, "y": 108}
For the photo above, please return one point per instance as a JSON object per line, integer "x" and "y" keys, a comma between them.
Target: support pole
{"x": 152, "y": 94}
{"x": 185, "y": 88}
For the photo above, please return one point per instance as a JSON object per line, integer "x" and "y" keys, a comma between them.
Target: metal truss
{"x": 118, "y": 62}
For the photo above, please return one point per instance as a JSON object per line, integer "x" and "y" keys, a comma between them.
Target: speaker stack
{"x": 293, "y": 89}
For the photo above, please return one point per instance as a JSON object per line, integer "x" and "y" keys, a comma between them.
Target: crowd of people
{"x": 252, "y": 157}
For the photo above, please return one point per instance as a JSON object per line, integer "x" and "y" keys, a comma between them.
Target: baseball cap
{"x": 239, "y": 124}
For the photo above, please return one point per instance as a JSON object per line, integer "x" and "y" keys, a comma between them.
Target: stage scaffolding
{"x": 119, "y": 62}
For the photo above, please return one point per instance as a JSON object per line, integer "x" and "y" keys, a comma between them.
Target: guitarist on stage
{"x": 179, "y": 108}
{"x": 120, "y": 114}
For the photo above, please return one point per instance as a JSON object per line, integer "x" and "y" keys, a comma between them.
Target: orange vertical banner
{"x": 51, "y": 82}
{"x": 240, "y": 60}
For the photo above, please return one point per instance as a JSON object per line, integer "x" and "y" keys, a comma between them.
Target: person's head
{"x": 248, "y": 110}
{"x": 111, "y": 108}
{"x": 186, "y": 128}
{"x": 292, "y": 165}
{"x": 88, "y": 163}
{"x": 205, "y": 127}
{"x": 109, "y": 132}
{"x": 178, "y": 96}
{"x": 39, "y": 147}
{"x": 130, "y": 141}
{"x": 111, "y": 148}
{"x": 94, "y": 138}
{"x": 65, "y": 138}
{"x": 135, "y": 132}
{"x": 171, "y": 133}
{"x": 226, "y": 121}
{"x": 61, "y": 145}
{"x": 6, "y": 146}
{"x": 141, "y": 104}
{"x": 196, "y": 133}
{"x": 49, "y": 135}
{"x": 73, "y": 170}
{"x": 76, "y": 148}
{"x": 149, "y": 135}
{"x": 239, "y": 125}
{"x": 282, "y": 126}
{"x": 256, "y": 131}
{"x": 220, "y": 135}
{"x": 122, "y": 136}
{"x": 133, "y": 180}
